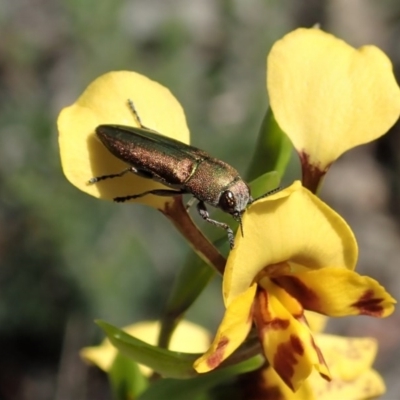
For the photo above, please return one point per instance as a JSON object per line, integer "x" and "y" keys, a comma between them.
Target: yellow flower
{"x": 329, "y": 97}
{"x": 296, "y": 254}
{"x": 105, "y": 101}
{"x": 349, "y": 361}
{"x": 187, "y": 337}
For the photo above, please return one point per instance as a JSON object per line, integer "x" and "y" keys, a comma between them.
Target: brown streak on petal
{"x": 262, "y": 316}
{"x": 216, "y": 358}
{"x": 278, "y": 323}
{"x": 272, "y": 270}
{"x": 296, "y": 344}
{"x": 302, "y": 293}
{"x": 326, "y": 377}
{"x": 300, "y": 317}
{"x": 368, "y": 305}
{"x": 321, "y": 360}
{"x": 318, "y": 351}
{"x": 255, "y": 386}
{"x": 285, "y": 360}
{"x": 312, "y": 174}
{"x": 260, "y": 305}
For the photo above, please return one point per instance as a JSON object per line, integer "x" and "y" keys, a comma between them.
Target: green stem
{"x": 180, "y": 300}
{"x": 176, "y": 212}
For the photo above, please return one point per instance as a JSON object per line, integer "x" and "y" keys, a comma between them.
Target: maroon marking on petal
{"x": 284, "y": 359}
{"x": 301, "y": 318}
{"x": 326, "y": 377}
{"x": 261, "y": 304}
{"x": 255, "y": 386}
{"x": 297, "y": 344}
{"x": 263, "y": 318}
{"x": 302, "y": 293}
{"x": 321, "y": 358}
{"x": 312, "y": 174}
{"x": 216, "y": 358}
{"x": 278, "y": 323}
{"x": 369, "y": 305}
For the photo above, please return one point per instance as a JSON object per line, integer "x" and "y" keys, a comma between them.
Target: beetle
{"x": 182, "y": 168}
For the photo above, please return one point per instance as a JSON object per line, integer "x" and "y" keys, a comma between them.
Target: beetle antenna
{"x": 135, "y": 113}
{"x": 269, "y": 193}
{"x": 240, "y": 224}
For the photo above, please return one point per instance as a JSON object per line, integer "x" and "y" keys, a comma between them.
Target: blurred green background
{"x": 66, "y": 258}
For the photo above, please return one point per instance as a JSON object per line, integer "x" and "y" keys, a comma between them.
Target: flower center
{"x": 273, "y": 270}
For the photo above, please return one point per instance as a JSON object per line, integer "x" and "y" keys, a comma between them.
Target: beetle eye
{"x": 227, "y": 202}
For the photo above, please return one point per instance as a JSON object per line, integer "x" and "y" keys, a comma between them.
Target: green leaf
{"x": 167, "y": 363}
{"x": 195, "y": 387}
{"x": 126, "y": 380}
{"x": 273, "y": 149}
{"x": 264, "y": 184}
{"x": 189, "y": 283}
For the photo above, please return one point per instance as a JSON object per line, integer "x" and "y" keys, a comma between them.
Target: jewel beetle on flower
{"x": 183, "y": 169}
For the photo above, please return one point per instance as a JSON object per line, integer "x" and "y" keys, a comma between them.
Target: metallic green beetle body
{"x": 180, "y": 167}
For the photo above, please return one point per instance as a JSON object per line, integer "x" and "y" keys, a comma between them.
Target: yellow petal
{"x": 291, "y": 304}
{"x": 273, "y": 388}
{"x": 187, "y": 337}
{"x": 349, "y": 361}
{"x": 329, "y": 97}
{"x": 338, "y": 292}
{"x": 102, "y": 356}
{"x": 316, "y": 322}
{"x": 367, "y": 385}
{"x": 233, "y": 330}
{"x": 347, "y": 357}
{"x": 292, "y": 227}
{"x": 83, "y": 156}
{"x": 288, "y": 344}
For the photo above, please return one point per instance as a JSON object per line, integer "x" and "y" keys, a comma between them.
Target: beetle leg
{"x": 201, "y": 208}
{"x": 155, "y": 192}
{"x": 138, "y": 172}
{"x": 103, "y": 177}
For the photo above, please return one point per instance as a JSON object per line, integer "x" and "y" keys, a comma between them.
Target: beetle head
{"x": 234, "y": 200}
